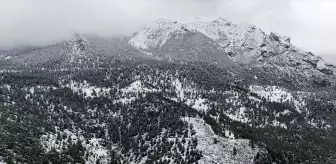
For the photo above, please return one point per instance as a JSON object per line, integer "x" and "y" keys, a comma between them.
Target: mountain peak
{"x": 164, "y": 21}
{"x": 205, "y": 19}
{"x": 226, "y": 34}
{"x": 241, "y": 43}
{"x": 156, "y": 34}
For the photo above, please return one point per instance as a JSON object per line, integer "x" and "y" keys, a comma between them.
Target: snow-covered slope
{"x": 235, "y": 39}
{"x": 221, "y": 40}
{"x": 229, "y": 35}
{"x": 156, "y": 35}
{"x": 94, "y": 151}
{"x": 81, "y": 51}
{"x": 218, "y": 149}
{"x": 222, "y": 31}
{"x": 175, "y": 41}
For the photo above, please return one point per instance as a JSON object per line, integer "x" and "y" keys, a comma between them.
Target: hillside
{"x": 195, "y": 91}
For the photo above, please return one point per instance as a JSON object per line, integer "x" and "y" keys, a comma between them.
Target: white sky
{"x": 310, "y": 23}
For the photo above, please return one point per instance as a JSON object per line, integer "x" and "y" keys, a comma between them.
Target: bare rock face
{"x": 321, "y": 82}
{"x": 321, "y": 66}
{"x": 242, "y": 44}
{"x": 278, "y": 38}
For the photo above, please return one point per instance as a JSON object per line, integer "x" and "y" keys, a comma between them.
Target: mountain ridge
{"x": 241, "y": 48}
{"x": 244, "y": 45}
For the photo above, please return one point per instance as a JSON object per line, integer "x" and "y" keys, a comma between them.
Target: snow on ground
{"x": 8, "y": 87}
{"x": 226, "y": 33}
{"x": 254, "y": 99}
{"x": 312, "y": 123}
{"x": 1, "y": 160}
{"x": 285, "y": 112}
{"x": 39, "y": 88}
{"x": 229, "y": 134}
{"x": 86, "y": 88}
{"x": 156, "y": 35}
{"x": 4, "y": 57}
{"x": 318, "y": 123}
{"x": 8, "y": 57}
{"x": 125, "y": 100}
{"x": 222, "y": 151}
{"x": 238, "y": 112}
{"x": 93, "y": 149}
{"x": 131, "y": 92}
{"x": 138, "y": 87}
{"x": 238, "y": 115}
{"x": 273, "y": 93}
{"x": 278, "y": 94}
{"x": 196, "y": 102}
{"x": 179, "y": 89}
{"x": 9, "y": 71}
{"x": 321, "y": 65}
{"x": 279, "y": 124}
{"x": 200, "y": 104}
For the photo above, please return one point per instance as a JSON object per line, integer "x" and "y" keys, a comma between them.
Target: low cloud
{"x": 40, "y": 22}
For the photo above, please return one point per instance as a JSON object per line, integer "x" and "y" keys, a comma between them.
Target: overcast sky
{"x": 310, "y": 23}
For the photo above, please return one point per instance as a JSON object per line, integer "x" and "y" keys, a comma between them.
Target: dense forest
{"x": 132, "y": 112}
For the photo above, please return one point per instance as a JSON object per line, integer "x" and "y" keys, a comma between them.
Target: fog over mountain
{"x": 310, "y": 23}
{"x": 329, "y": 58}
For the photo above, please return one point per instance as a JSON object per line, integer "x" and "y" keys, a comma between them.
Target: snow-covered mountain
{"x": 82, "y": 51}
{"x": 231, "y": 44}
{"x": 215, "y": 41}
{"x": 190, "y": 91}
{"x": 235, "y": 39}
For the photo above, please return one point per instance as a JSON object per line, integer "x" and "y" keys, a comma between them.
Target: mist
{"x": 309, "y": 23}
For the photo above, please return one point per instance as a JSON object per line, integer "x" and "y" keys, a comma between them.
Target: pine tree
{"x": 234, "y": 151}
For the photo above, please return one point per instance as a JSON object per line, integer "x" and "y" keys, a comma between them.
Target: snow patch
{"x": 285, "y": 112}
{"x": 200, "y": 104}
{"x": 8, "y": 57}
{"x": 133, "y": 91}
{"x": 87, "y": 89}
{"x": 273, "y": 93}
{"x": 138, "y": 87}
{"x": 321, "y": 65}
{"x": 216, "y": 149}
{"x": 178, "y": 89}
{"x": 125, "y": 100}
{"x": 278, "y": 94}
{"x": 276, "y": 123}
{"x": 93, "y": 149}
{"x": 229, "y": 35}
{"x": 238, "y": 115}
{"x": 8, "y": 87}
{"x": 156, "y": 35}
